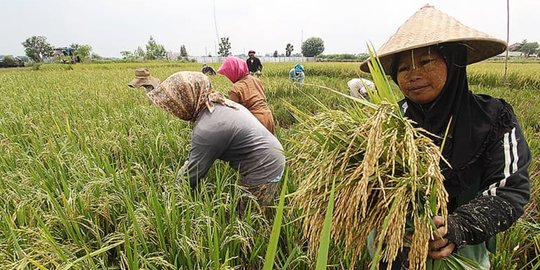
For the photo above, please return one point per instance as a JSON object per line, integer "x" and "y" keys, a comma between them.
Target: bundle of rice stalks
{"x": 386, "y": 173}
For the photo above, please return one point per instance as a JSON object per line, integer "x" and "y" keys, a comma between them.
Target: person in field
{"x": 359, "y": 87}
{"x": 144, "y": 79}
{"x": 254, "y": 64}
{"x": 247, "y": 90}
{"x": 486, "y": 173}
{"x": 296, "y": 74}
{"x": 208, "y": 70}
{"x": 222, "y": 129}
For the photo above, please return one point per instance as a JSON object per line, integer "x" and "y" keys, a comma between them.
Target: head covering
{"x": 429, "y": 26}
{"x": 251, "y": 51}
{"x": 185, "y": 94}
{"x": 474, "y": 118}
{"x": 357, "y": 87}
{"x": 234, "y": 68}
{"x": 298, "y": 68}
{"x": 143, "y": 78}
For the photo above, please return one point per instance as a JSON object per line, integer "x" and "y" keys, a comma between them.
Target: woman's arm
{"x": 506, "y": 191}
{"x": 208, "y": 143}
{"x": 235, "y": 96}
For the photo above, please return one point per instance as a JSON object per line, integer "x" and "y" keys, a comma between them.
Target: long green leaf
{"x": 92, "y": 254}
{"x": 324, "y": 241}
{"x": 276, "y": 228}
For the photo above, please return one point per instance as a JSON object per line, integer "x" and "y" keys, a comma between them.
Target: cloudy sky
{"x": 112, "y": 26}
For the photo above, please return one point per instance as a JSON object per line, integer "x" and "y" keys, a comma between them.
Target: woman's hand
{"x": 440, "y": 247}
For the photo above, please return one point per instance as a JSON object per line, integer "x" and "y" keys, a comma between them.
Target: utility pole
{"x": 215, "y": 21}
{"x": 507, "y": 41}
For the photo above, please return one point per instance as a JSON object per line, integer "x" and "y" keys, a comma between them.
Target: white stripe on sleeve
{"x": 514, "y": 150}
{"x": 510, "y": 166}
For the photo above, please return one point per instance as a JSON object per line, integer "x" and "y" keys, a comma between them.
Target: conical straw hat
{"x": 429, "y": 26}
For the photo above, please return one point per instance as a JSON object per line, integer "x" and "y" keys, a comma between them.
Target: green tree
{"x": 10, "y": 61}
{"x": 127, "y": 55}
{"x": 37, "y": 48}
{"x": 83, "y": 51}
{"x": 183, "y": 51}
{"x": 312, "y": 47}
{"x": 289, "y": 49}
{"x": 154, "y": 50}
{"x": 529, "y": 48}
{"x": 96, "y": 56}
{"x": 276, "y": 53}
{"x": 525, "y": 47}
{"x": 139, "y": 53}
{"x": 224, "y": 47}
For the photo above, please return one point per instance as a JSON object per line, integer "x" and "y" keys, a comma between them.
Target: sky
{"x": 112, "y": 26}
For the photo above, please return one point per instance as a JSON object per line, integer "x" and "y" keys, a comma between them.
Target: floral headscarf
{"x": 234, "y": 68}
{"x": 185, "y": 94}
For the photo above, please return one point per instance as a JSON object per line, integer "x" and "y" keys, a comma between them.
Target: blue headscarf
{"x": 298, "y": 68}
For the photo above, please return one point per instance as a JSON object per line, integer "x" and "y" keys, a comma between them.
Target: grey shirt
{"x": 235, "y": 136}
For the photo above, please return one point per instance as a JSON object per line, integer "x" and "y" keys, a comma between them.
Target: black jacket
{"x": 254, "y": 64}
{"x": 495, "y": 186}
{"x": 499, "y": 188}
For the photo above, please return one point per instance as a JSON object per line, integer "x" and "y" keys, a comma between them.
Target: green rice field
{"x": 88, "y": 172}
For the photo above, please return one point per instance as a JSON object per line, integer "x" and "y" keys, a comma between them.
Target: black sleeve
{"x": 506, "y": 190}
{"x": 260, "y": 65}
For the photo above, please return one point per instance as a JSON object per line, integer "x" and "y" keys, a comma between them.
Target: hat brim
{"x": 477, "y": 50}
{"x": 429, "y": 27}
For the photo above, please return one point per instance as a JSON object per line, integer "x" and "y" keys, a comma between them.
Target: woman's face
{"x": 421, "y": 74}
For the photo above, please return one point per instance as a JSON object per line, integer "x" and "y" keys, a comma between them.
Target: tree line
{"x": 37, "y": 49}
{"x": 525, "y": 48}
{"x": 154, "y": 51}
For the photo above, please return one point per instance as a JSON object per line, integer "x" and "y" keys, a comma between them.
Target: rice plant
{"x": 88, "y": 173}
{"x": 387, "y": 175}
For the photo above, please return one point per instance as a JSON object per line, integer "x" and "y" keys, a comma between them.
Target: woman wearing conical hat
{"x": 487, "y": 178}
{"x": 223, "y": 130}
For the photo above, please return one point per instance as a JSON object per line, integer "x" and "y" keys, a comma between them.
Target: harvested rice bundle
{"x": 386, "y": 173}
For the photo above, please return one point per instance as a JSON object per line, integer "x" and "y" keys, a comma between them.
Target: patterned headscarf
{"x": 299, "y": 68}
{"x": 185, "y": 94}
{"x": 234, "y": 68}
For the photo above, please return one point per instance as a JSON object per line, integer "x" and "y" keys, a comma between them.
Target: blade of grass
{"x": 276, "y": 228}
{"x": 92, "y": 254}
{"x": 324, "y": 242}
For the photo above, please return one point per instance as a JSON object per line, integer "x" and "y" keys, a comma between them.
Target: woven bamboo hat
{"x": 142, "y": 78}
{"x": 429, "y": 26}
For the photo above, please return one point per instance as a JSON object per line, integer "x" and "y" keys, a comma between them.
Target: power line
{"x": 215, "y": 21}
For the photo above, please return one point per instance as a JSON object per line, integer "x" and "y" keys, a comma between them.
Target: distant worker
{"x": 358, "y": 87}
{"x": 208, "y": 70}
{"x": 254, "y": 64}
{"x": 297, "y": 74}
{"x": 247, "y": 90}
{"x": 144, "y": 79}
